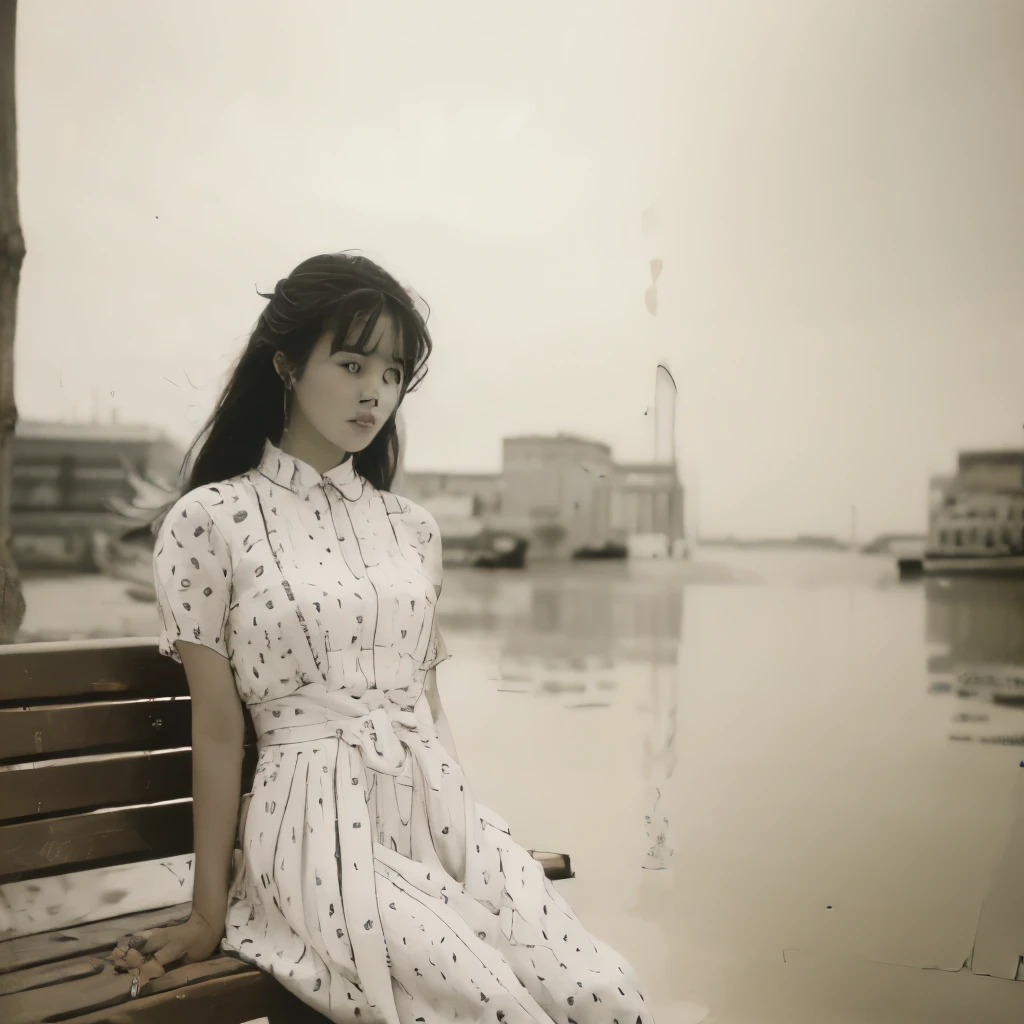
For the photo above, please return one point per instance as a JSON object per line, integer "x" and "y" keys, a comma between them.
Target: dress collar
{"x": 301, "y": 477}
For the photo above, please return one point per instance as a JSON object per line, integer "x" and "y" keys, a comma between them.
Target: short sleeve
{"x": 192, "y": 577}
{"x": 430, "y": 550}
{"x": 436, "y": 649}
{"x": 429, "y": 537}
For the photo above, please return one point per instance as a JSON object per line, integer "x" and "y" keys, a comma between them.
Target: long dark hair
{"x": 323, "y": 293}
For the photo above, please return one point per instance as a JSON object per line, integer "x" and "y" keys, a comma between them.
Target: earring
{"x": 284, "y": 412}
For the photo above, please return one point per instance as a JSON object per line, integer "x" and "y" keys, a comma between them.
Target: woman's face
{"x": 337, "y": 388}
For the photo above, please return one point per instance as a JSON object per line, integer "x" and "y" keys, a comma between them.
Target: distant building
{"x": 941, "y": 492}
{"x": 438, "y": 489}
{"x": 64, "y": 474}
{"x": 562, "y": 492}
{"x": 997, "y": 471}
{"x": 444, "y": 493}
{"x": 562, "y": 487}
{"x": 977, "y": 516}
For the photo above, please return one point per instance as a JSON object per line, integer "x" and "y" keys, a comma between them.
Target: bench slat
{"x": 136, "y": 778}
{"x": 68, "y": 729}
{"x": 49, "y": 974}
{"x": 103, "y": 987}
{"x": 58, "y": 845}
{"x": 234, "y": 999}
{"x": 62, "y": 730}
{"x": 95, "y": 937}
{"x": 88, "y": 669}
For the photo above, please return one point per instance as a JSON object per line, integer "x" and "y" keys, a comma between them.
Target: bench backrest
{"x": 95, "y": 726}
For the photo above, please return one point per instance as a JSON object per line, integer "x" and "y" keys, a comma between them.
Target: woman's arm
{"x": 444, "y": 732}
{"x": 218, "y": 733}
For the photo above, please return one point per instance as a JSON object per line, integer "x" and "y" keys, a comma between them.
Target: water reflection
{"x": 975, "y": 628}
{"x": 573, "y": 635}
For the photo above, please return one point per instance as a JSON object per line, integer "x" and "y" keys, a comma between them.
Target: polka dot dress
{"x": 369, "y": 883}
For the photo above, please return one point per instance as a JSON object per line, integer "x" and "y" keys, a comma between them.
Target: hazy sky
{"x": 837, "y": 184}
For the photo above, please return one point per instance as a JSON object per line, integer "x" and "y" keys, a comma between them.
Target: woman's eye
{"x": 359, "y": 366}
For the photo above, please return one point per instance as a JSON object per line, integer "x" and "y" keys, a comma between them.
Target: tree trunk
{"x": 12, "y": 254}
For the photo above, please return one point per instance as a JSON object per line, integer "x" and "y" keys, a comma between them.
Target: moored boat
{"x": 609, "y": 549}
{"x": 938, "y": 563}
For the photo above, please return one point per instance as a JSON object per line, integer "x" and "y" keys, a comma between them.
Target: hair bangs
{"x": 364, "y": 308}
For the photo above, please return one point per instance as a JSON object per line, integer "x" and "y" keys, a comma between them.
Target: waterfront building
{"x": 977, "y": 515}
{"x": 64, "y": 476}
{"x": 562, "y": 492}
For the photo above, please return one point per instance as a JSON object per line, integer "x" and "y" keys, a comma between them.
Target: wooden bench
{"x": 96, "y": 837}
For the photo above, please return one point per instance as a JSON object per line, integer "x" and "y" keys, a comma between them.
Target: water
{"x": 761, "y": 757}
{"x": 780, "y": 776}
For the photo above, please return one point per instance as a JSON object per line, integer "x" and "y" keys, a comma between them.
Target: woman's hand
{"x": 191, "y": 942}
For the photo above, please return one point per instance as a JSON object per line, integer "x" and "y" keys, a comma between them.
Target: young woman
{"x": 289, "y": 578}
